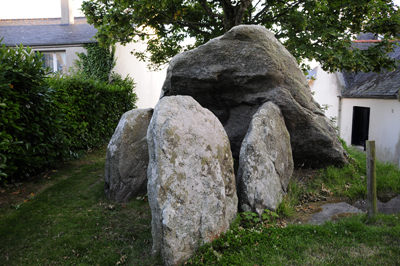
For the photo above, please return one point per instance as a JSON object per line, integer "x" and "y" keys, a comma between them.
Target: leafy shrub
{"x": 97, "y": 63}
{"x": 250, "y": 219}
{"x": 31, "y": 137}
{"x": 45, "y": 120}
{"x": 91, "y": 108}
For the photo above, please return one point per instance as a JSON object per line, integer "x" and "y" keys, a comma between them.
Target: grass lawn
{"x": 71, "y": 222}
{"x": 348, "y": 242}
{"x": 63, "y": 218}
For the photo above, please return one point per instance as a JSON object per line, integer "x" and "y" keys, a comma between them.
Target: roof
{"x": 39, "y": 32}
{"x": 384, "y": 85}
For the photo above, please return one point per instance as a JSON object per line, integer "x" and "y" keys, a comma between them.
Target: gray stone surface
{"x": 233, "y": 75}
{"x": 390, "y": 207}
{"x": 191, "y": 182}
{"x": 332, "y": 209}
{"x": 127, "y": 157}
{"x": 265, "y": 161}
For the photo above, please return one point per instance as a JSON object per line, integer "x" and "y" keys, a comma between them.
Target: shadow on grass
{"x": 72, "y": 223}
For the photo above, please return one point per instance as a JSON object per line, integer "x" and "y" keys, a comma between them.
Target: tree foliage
{"x": 315, "y": 29}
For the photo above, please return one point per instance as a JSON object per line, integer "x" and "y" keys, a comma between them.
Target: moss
{"x": 173, "y": 157}
{"x": 205, "y": 161}
{"x": 170, "y": 134}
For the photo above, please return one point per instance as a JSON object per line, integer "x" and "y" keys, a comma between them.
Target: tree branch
{"x": 192, "y": 25}
{"x": 254, "y": 7}
{"x": 229, "y": 14}
{"x": 203, "y": 4}
{"x": 275, "y": 16}
{"x": 251, "y": 9}
{"x": 240, "y": 14}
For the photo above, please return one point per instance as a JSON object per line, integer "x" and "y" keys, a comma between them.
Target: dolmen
{"x": 240, "y": 97}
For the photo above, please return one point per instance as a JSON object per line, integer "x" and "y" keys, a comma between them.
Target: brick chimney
{"x": 67, "y": 13}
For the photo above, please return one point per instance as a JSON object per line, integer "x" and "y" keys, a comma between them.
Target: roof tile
{"x": 37, "y": 32}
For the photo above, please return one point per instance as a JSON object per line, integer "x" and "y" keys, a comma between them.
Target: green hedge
{"x": 31, "y": 135}
{"x": 92, "y": 108}
{"x": 45, "y": 120}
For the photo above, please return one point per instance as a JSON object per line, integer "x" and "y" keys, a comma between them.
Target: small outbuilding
{"x": 364, "y": 106}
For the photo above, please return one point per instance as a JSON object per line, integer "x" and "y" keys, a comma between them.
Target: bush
{"x": 44, "y": 120}
{"x": 91, "y": 108}
{"x": 31, "y": 137}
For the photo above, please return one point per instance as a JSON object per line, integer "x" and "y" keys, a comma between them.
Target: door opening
{"x": 360, "y": 128}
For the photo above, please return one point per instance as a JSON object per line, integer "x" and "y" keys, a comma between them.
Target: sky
{"x": 19, "y": 9}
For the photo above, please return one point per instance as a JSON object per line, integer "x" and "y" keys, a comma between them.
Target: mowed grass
{"x": 351, "y": 180}
{"x": 348, "y": 183}
{"x": 351, "y": 241}
{"x": 355, "y": 240}
{"x": 71, "y": 223}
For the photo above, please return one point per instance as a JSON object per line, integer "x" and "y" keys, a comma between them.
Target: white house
{"x": 61, "y": 38}
{"x": 367, "y": 105}
{"x": 326, "y": 88}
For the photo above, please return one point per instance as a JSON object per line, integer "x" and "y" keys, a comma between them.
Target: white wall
{"x": 327, "y": 88}
{"x": 148, "y": 83}
{"x": 71, "y": 54}
{"x": 384, "y": 125}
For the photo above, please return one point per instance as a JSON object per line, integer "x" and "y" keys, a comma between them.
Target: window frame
{"x": 54, "y": 54}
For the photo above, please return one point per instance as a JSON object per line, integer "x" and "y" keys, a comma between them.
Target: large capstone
{"x": 265, "y": 161}
{"x": 127, "y": 157}
{"x": 233, "y": 75}
{"x": 191, "y": 183}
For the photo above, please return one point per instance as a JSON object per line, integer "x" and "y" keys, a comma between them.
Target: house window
{"x": 360, "y": 128}
{"x": 56, "y": 61}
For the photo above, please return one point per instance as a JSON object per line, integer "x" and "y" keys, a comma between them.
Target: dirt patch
{"x": 339, "y": 216}
{"x": 386, "y": 196}
{"x": 310, "y": 203}
{"x": 305, "y": 211}
{"x": 303, "y": 175}
{"x": 390, "y": 207}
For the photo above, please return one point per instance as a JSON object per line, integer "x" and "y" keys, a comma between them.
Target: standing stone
{"x": 233, "y": 75}
{"x": 265, "y": 162}
{"x": 191, "y": 182}
{"x": 128, "y": 157}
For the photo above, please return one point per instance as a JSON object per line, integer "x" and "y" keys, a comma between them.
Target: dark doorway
{"x": 359, "y": 132}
